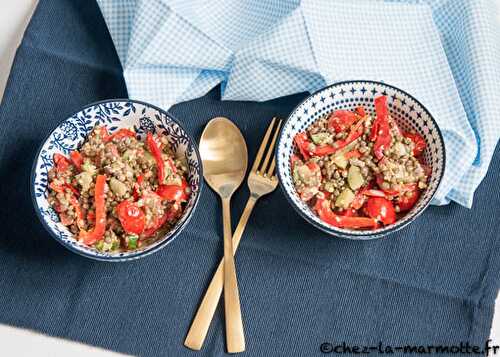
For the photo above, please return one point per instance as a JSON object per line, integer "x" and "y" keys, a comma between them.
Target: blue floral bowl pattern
{"x": 114, "y": 114}
{"x": 409, "y": 115}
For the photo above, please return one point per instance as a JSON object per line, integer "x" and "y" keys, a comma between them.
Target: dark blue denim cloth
{"x": 434, "y": 282}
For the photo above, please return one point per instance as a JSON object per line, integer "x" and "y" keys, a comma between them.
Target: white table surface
{"x": 14, "y": 16}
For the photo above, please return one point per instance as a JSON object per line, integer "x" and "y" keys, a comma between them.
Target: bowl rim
{"x": 132, "y": 256}
{"x": 363, "y": 235}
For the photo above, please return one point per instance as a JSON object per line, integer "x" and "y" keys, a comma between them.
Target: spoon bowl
{"x": 224, "y": 155}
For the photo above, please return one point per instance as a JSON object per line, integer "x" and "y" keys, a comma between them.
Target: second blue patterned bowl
{"x": 406, "y": 110}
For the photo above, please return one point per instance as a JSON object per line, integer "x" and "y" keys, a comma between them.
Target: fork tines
{"x": 262, "y": 168}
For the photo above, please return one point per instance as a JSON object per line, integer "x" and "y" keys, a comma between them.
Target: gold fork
{"x": 261, "y": 181}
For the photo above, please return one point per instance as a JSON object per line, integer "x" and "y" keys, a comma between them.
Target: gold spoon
{"x": 225, "y": 158}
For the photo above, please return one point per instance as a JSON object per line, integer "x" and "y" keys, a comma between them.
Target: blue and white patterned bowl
{"x": 114, "y": 114}
{"x": 408, "y": 113}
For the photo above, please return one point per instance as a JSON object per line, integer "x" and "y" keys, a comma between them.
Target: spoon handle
{"x": 235, "y": 338}
{"x": 205, "y": 313}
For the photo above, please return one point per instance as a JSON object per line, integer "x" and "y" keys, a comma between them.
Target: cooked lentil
{"x": 150, "y": 207}
{"x": 344, "y": 157}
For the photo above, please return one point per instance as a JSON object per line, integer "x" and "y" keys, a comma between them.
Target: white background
{"x": 14, "y": 16}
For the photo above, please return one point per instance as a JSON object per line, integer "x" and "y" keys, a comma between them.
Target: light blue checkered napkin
{"x": 444, "y": 52}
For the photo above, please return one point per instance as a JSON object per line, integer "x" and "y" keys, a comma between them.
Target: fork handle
{"x": 204, "y": 315}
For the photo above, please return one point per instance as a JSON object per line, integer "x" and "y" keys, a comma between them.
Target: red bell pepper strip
{"x": 137, "y": 186}
{"x": 62, "y": 162}
{"x": 72, "y": 189}
{"x": 341, "y": 120}
{"x": 360, "y": 111}
{"x": 326, "y": 214}
{"x": 119, "y": 134}
{"x": 352, "y": 153}
{"x": 174, "y": 192}
{"x": 131, "y": 217}
{"x": 381, "y": 131}
{"x": 76, "y": 159}
{"x": 303, "y": 145}
{"x": 419, "y": 143}
{"x": 78, "y": 212}
{"x": 155, "y": 150}
{"x": 91, "y": 216}
{"x": 90, "y": 237}
{"x": 324, "y": 150}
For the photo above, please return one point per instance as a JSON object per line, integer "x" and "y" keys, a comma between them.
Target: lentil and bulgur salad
{"x": 359, "y": 171}
{"x": 117, "y": 192}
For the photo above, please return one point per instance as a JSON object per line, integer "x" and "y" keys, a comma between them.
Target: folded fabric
{"x": 444, "y": 52}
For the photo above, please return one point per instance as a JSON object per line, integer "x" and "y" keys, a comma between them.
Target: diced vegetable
{"x": 88, "y": 167}
{"x": 130, "y": 154}
{"x": 355, "y": 178}
{"x": 360, "y": 111}
{"x": 132, "y": 241}
{"x": 340, "y": 161}
{"x": 400, "y": 149}
{"x": 118, "y": 188}
{"x": 149, "y": 158}
{"x": 309, "y": 177}
{"x": 84, "y": 179}
{"x": 321, "y": 138}
{"x": 344, "y": 199}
